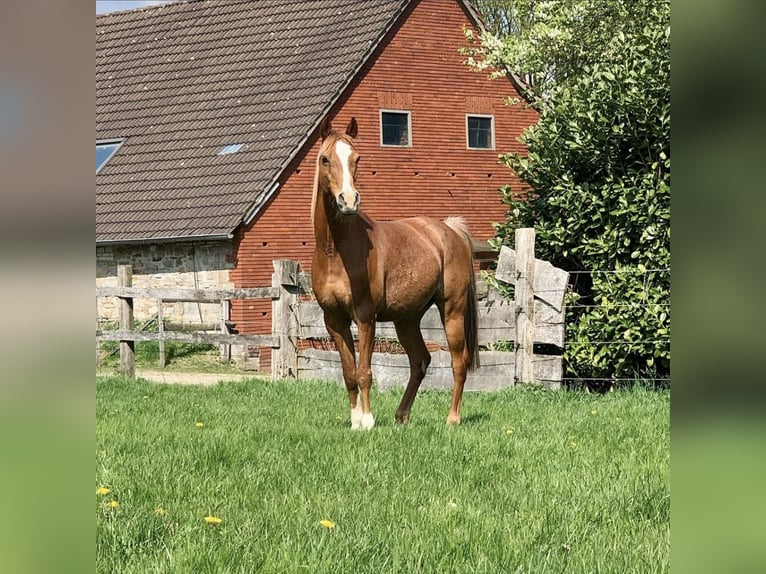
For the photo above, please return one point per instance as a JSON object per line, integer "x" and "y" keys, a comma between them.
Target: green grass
{"x": 581, "y": 484}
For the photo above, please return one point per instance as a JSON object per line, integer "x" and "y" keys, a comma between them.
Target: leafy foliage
{"x": 552, "y": 42}
{"x": 599, "y": 164}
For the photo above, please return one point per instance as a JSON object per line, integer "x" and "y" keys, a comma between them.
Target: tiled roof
{"x": 180, "y": 81}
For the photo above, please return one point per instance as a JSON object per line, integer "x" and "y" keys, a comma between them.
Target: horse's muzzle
{"x": 346, "y": 207}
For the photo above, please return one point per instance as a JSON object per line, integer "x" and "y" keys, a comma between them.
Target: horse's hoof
{"x": 402, "y": 418}
{"x": 368, "y": 421}
{"x": 453, "y": 420}
{"x": 356, "y": 417}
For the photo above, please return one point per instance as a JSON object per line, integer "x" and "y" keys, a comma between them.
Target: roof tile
{"x": 180, "y": 81}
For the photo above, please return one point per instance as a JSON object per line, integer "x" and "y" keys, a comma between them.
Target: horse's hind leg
{"x": 453, "y": 319}
{"x": 408, "y": 331}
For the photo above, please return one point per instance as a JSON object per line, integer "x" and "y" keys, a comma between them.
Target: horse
{"x": 366, "y": 271}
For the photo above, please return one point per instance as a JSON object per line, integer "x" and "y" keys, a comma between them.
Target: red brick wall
{"x": 418, "y": 68}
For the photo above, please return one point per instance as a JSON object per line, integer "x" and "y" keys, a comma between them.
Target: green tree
{"x": 549, "y": 43}
{"x": 598, "y": 166}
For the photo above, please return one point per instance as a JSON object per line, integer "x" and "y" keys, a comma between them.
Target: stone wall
{"x": 196, "y": 265}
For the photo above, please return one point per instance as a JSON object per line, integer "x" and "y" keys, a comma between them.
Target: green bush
{"x": 599, "y": 164}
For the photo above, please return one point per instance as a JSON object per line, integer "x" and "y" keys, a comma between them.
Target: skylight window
{"x": 233, "y": 148}
{"x": 105, "y": 150}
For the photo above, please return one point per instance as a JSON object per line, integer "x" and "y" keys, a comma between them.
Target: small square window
{"x": 480, "y": 132}
{"x": 105, "y": 150}
{"x": 395, "y": 128}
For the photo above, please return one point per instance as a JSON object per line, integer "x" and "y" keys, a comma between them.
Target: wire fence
{"x": 642, "y": 306}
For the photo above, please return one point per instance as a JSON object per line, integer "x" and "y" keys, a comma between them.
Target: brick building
{"x": 207, "y": 125}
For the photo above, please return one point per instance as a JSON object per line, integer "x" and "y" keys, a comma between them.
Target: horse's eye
{"x": 325, "y": 160}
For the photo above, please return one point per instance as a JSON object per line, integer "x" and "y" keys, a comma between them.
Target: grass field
{"x": 532, "y": 481}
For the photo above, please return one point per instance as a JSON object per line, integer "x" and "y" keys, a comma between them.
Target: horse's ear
{"x": 325, "y": 128}
{"x": 352, "y": 129}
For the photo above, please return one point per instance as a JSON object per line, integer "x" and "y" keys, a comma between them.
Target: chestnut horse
{"x": 366, "y": 271}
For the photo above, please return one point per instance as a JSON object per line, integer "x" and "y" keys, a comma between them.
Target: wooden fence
{"x": 535, "y": 316}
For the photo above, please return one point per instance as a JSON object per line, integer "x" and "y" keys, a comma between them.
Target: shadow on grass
{"x": 474, "y": 418}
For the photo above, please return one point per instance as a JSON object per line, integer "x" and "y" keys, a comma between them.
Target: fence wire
{"x": 642, "y": 305}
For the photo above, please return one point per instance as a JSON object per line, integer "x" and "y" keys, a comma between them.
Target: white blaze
{"x": 343, "y": 151}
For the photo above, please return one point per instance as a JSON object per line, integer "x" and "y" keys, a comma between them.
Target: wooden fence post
{"x": 284, "y": 320}
{"x": 161, "y": 331}
{"x": 225, "y": 316}
{"x": 127, "y": 348}
{"x": 98, "y": 343}
{"x": 525, "y": 304}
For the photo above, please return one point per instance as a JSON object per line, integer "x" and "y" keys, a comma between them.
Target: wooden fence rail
{"x": 279, "y": 293}
{"x": 535, "y": 316}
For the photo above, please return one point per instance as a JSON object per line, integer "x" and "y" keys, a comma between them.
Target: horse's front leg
{"x": 340, "y": 331}
{"x": 364, "y": 369}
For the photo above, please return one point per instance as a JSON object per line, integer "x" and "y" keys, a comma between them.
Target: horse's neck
{"x": 323, "y": 234}
{"x": 334, "y": 234}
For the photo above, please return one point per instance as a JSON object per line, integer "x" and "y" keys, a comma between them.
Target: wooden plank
{"x": 192, "y": 326}
{"x": 187, "y": 337}
{"x": 392, "y": 371}
{"x": 304, "y": 282}
{"x": 127, "y": 345}
{"x": 550, "y": 282}
{"x": 525, "y": 304}
{"x": 497, "y": 322}
{"x": 549, "y": 325}
{"x": 187, "y": 294}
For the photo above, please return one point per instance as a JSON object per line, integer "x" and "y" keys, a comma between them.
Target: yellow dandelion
{"x": 199, "y": 424}
{"x": 112, "y": 504}
{"x": 594, "y": 412}
{"x": 327, "y": 523}
{"x": 145, "y": 396}
{"x": 509, "y": 431}
{"x": 573, "y": 444}
{"x": 213, "y": 520}
{"x": 102, "y": 490}
{"x": 159, "y": 511}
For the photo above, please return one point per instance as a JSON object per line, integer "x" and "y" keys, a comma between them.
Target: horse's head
{"x": 336, "y": 166}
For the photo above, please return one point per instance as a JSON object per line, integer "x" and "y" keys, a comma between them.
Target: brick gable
{"x": 417, "y": 68}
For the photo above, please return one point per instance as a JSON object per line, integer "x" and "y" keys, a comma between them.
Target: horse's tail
{"x": 471, "y": 319}
{"x": 471, "y": 323}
